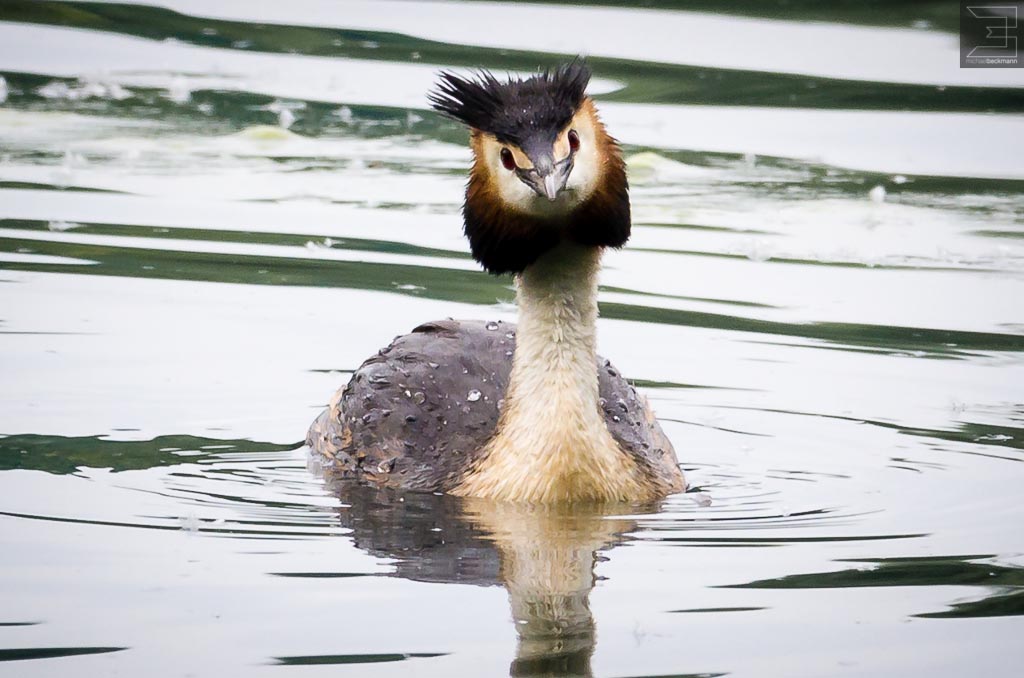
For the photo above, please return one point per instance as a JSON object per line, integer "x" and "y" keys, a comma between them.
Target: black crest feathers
{"x": 515, "y": 109}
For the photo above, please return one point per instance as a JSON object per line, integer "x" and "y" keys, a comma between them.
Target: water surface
{"x": 211, "y": 213}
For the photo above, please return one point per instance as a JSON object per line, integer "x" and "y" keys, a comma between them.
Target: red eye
{"x": 574, "y": 141}
{"x": 507, "y": 160}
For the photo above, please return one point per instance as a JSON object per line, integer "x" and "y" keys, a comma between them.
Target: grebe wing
{"x": 632, "y": 423}
{"x": 417, "y": 414}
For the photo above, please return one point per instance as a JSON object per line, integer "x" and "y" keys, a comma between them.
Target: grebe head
{"x": 544, "y": 170}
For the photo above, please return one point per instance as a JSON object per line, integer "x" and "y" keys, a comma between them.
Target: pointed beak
{"x": 552, "y": 186}
{"x": 547, "y": 178}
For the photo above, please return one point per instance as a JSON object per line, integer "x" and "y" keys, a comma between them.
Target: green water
{"x": 210, "y": 213}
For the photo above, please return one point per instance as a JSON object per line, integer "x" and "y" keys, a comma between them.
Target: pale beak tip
{"x": 551, "y": 187}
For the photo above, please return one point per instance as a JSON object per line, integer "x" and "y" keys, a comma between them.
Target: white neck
{"x": 556, "y": 344}
{"x": 552, "y": 443}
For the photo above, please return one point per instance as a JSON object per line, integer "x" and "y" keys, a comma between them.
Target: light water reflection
{"x": 544, "y": 557}
{"x": 210, "y": 213}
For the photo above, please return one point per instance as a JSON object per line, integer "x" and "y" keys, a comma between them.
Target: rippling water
{"x": 210, "y": 213}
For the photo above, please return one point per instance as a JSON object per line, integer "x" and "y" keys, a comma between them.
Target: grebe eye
{"x": 574, "y": 141}
{"x": 507, "y": 160}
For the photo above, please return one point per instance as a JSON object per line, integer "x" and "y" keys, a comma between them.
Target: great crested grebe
{"x": 485, "y": 409}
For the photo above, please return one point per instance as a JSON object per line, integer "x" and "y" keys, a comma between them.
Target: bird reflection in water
{"x": 544, "y": 556}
